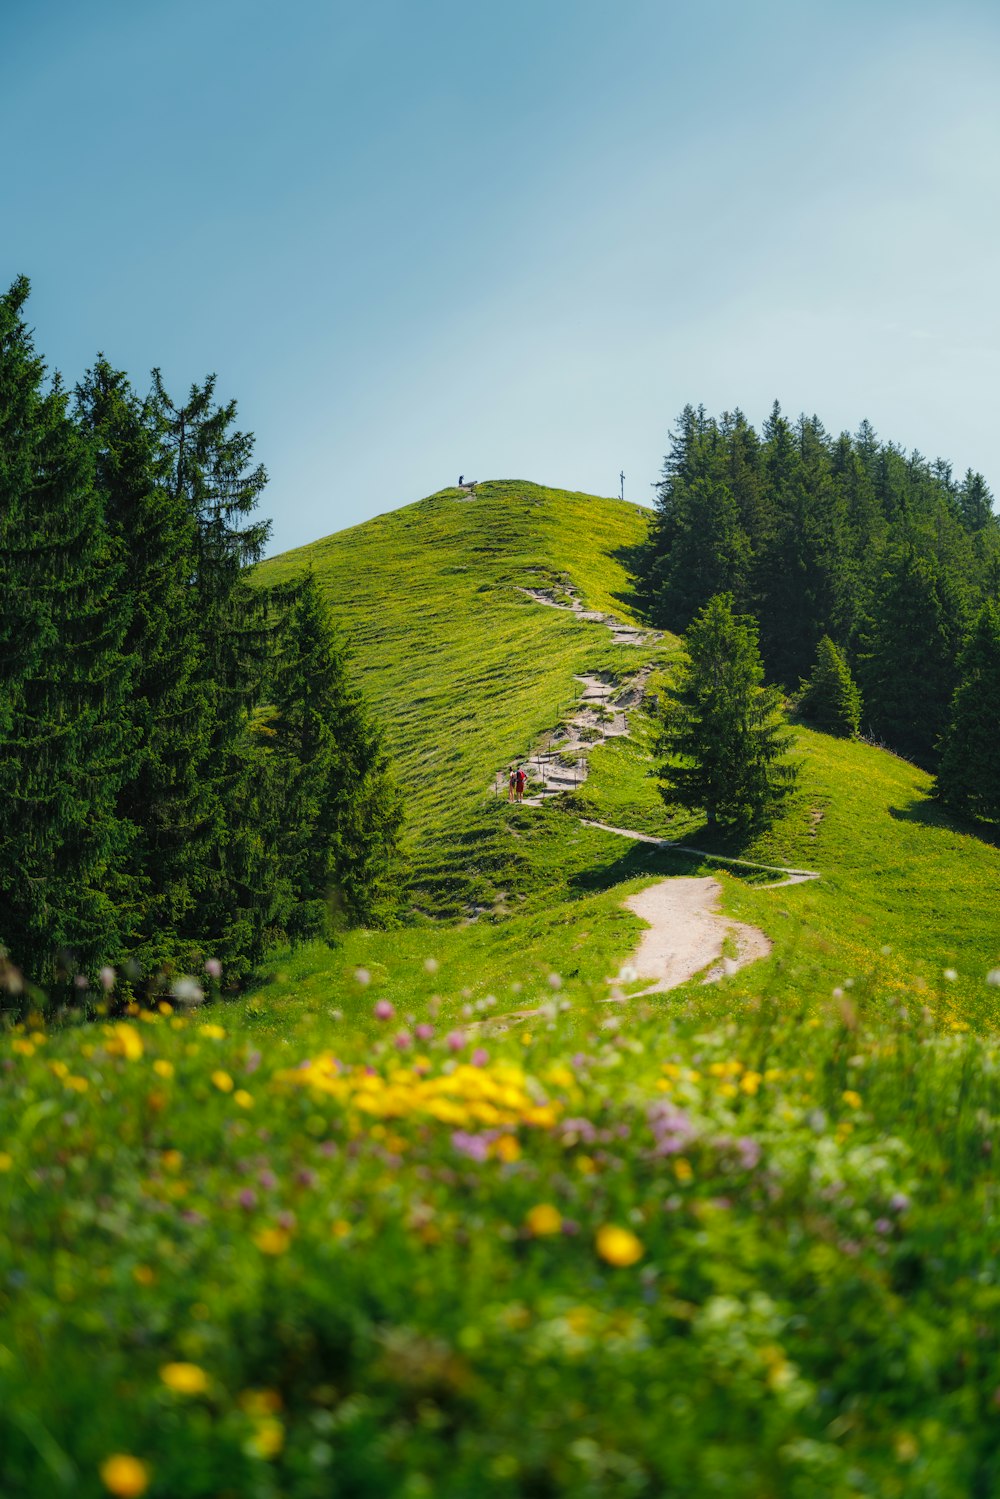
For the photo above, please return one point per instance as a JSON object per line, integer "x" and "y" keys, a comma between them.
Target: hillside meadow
{"x": 352, "y": 1234}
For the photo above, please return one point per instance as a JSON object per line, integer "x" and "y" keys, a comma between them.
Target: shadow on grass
{"x": 638, "y": 862}
{"x": 931, "y": 814}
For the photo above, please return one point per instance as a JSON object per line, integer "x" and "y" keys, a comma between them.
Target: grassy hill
{"x": 339, "y": 1239}
{"x": 466, "y": 673}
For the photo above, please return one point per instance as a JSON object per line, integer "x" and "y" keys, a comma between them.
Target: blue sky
{"x": 419, "y": 237}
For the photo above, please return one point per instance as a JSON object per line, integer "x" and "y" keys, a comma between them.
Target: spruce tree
{"x": 968, "y": 778}
{"x": 209, "y": 471}
{"x": 65, "y": 897}
{"x": 907, "y": 668}
{"x": 341, "y": 813}
{"x": 830, "y": 698}
{"x": 166, "y": 793}
{"x": 721, "y": 729}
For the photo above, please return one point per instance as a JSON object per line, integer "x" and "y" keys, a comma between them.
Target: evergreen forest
{"x": 843, "y": 544}
{"x": 187, "y": 771}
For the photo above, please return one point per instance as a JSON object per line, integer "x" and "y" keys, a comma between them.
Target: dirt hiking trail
{"x": 686, "y": 932}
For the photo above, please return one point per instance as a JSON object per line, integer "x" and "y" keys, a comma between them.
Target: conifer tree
{"x": 907, "y": 669}
{"x": 830, "y": 698}
{"x": 721, "y": 729}
{"x": 968, "y": 778}
{"x": 210, "y": 473}
{"x": 341, "y": 813}
{"x": 166, "y": 793}
{"x": 65, "y": 899}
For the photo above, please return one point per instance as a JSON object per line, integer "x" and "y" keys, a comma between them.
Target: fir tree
{"x": 908, "y": 667}
{"x": 167, "y": 794}
{"x": 830, "y": 698}
{"x": 721, "y": 729}
{"x": 341, "y": 813}
{"x": 210, "y": 473}
{"x": 968, "y": 778}
{"x": 65, "y": 897}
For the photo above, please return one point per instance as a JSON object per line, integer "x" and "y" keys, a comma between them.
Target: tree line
{"x": 874, "y": 576}
{"x": 187, "y": 770}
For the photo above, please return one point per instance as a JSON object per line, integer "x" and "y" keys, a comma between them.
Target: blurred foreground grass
{"x": 618, "y": 1249}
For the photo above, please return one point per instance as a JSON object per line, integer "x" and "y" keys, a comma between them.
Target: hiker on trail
{"x": 521, "y": 780}
{"x": 461, "y": 481}
{"x": 511, "y": 784}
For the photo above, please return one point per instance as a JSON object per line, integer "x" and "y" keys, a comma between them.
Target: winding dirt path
{"x": 687, "y": 932}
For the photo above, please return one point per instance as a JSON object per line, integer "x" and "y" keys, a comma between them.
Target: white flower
{"x": 431, "y": 965}
{"x": 627, "y": 974}
{"x": 362, "y": 977}
{"x": 950, "y": 975}
{"x": 993, "y": 977}
{"x": 187, "y": 990}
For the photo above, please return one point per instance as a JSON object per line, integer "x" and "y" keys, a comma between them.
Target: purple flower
{"x": 383, "y": 1010}
{"x": 455, "y": 1040}
{"x": 402, "y": 1040}
{"x": 305, "y": 1178}
{"x": 883, "y": 1225}
{"x": 570, "y": 1227}
{"x": 480, "y": 1057}
{"x": 286, "y": 1220}
{"x": 268, "y": 1180}
{"x": 213, "y": 968}
{"x": 748, "y": 1150}
{"x": 473, "y": 1146}
{"x": 247, "y": 1198}
{"x": 899, "y": 1202}
{"x": 252, "y": 1062}
{"x": 423, "y": 1031}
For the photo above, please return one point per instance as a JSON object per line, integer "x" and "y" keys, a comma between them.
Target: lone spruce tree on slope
{"x": 722, "y": 732}
{"x": 830, "y": 698}
{"x": 968, "y": 779}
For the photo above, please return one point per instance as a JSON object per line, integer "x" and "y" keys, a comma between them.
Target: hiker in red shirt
{"x": 521, "y": 779}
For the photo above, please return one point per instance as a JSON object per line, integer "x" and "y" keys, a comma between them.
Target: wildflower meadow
{"x": 609, "y": 1250}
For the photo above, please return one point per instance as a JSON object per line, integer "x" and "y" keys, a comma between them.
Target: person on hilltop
{"x": 521, "y": 782}
{"x": 511, "y": 784}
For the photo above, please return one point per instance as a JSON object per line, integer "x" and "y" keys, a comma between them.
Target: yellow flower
{"x": 750, "y": 1082}
{"x": 222, "y": 1081}
{"x": 682, "y": 1170}
{"x": 850, "y": 1097}
{"x": 618, "y": 1246}
{"x": 212, "y": 1031}
{"x": 243, "y": 1098}
{"x": 163, "y": 1068}
{"x": 6, "y": 1161}
{"x": 22, "y": 1047}
{"x": 129, "y": 1042}
{"x": 543, "y": 1219}
{"x": 124, "y": 1476}
{"x": 560, "y": 1076}
{"x": 172, "y": 1160}
{"x": 508, "y": 1148}
{"x": 184, "y": 1379}
{"x": 340, "y": 1228}
{"x": 267, "y": 1440}
{"x": 273, "y": 1241}
{"x": 143, "y": 1275}
{"x": 260, "y": 1402}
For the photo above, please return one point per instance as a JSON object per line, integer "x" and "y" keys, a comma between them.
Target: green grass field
{"x": 345, "y": 1238}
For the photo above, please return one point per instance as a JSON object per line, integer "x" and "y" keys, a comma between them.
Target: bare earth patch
{"x": 687, "y": 932}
